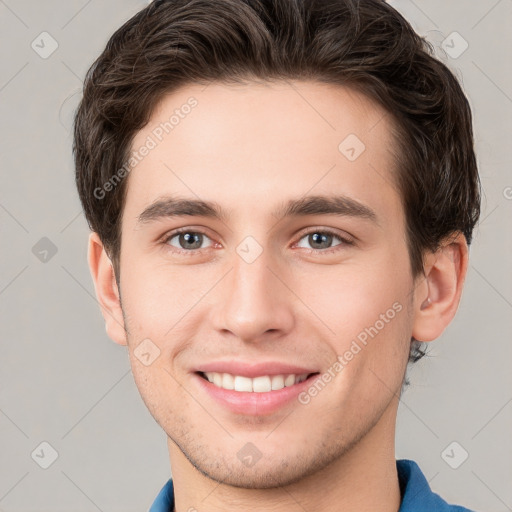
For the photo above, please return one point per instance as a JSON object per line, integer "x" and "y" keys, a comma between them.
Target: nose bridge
{"x": 254, "y": 300}
{"x": 251, "y": 278}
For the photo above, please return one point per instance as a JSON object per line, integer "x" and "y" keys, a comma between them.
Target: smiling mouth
{"x": 260, "y": 384}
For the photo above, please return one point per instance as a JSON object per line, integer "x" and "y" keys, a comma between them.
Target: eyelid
{"x": 164, "y": 240}
{"x": 330, "y": 231}
{"x": 346, "y": 239}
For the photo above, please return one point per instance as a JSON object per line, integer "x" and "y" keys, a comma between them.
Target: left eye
{"x": 322, "y": 239}
{"x": 187, "y": 240}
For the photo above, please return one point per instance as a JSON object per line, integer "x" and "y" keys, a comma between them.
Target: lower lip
{"x": 253, "y": 403}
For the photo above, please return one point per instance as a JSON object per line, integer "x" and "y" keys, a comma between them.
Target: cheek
{"x": 158, "y": 389}
{"x": 364, "y": 311}
{"x": 157, "y": 298}
{"x": 353, "y": 297}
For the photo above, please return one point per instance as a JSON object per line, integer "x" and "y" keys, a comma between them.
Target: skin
{"x": 249, "y": 148}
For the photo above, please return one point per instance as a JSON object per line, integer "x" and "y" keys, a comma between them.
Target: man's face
{"x": 258, "y": 288}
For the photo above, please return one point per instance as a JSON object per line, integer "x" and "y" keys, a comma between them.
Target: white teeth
{"x": 289, "y": 380}
{"x": 217, "y": 379}
{"x": 277, "y": 382}
{"x": 261, "y": 384}
{"x": 242, "y": 383}
{"x": 228, "y": 381}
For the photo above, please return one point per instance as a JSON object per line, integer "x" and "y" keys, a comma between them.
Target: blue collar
{"x": 416, "y": 493}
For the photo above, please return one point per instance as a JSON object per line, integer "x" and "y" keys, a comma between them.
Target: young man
{"x": 281, "y": 195}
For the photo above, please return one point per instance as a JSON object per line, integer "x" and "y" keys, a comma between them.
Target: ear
{"x": 106, "y": 289}
{"x": 437, "y": 296}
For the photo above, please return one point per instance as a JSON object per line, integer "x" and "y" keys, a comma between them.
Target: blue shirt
{"x": 414, "y": 488}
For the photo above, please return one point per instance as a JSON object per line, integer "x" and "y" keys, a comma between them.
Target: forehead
{"x": 263, "y": 142}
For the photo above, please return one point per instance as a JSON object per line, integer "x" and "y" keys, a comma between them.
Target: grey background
{"x": 64, "y": 382}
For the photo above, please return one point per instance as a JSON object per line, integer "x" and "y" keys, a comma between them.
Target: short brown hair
{"x": 366, "y": 45}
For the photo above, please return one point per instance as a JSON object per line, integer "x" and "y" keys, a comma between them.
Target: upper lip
{"x": 254, "y": 369}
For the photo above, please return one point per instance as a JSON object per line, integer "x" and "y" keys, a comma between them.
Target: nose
{"x": 255, "y": 302}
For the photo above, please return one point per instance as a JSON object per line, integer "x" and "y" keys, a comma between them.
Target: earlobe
{"x": 106, "y": 289}
{"x": 437, "y": 299}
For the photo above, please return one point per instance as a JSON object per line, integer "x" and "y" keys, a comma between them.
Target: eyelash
{"x": 344, "y": 241}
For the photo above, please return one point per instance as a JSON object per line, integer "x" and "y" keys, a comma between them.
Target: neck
{"x": 363, "y": 479}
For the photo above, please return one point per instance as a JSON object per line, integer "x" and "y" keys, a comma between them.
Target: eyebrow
{"x": 173, "y": 206}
